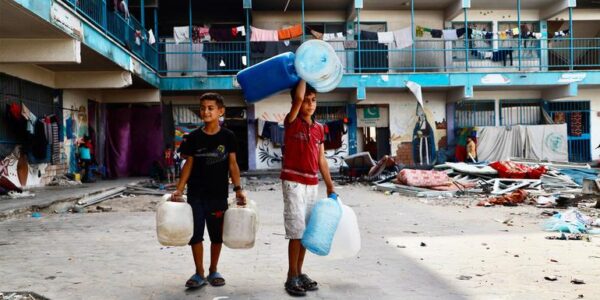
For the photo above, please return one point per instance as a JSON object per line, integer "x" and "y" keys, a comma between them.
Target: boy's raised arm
{"x": 297, "y": 101}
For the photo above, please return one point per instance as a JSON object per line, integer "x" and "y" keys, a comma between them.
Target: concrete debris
{"x": 97, "y": 198}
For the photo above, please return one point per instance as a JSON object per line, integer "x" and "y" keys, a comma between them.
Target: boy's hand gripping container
{"x": 240, "y": 225}
{"x": 174, "y": 222}
{"x": 322, "y": 224}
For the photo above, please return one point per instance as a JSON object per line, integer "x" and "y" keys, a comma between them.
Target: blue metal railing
{"x": 127, "y": 30}
{"x": 369, "y": 56}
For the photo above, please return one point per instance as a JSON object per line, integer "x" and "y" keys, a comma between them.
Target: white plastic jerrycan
{"x": 174, "y": 222}
{"x": 240, "y": 225}
{"x": 346, "y": 241}
{"x": 317, "y": 63}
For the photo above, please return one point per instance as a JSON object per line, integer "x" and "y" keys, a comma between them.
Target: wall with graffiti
{"x": 403, "y": 117}
{"x": 268, "y": 152}
{"x": 75, "y": 122}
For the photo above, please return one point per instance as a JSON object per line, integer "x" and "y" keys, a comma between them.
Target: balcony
{"x": 366, "y": 56}
{"x": 126, "y": 30}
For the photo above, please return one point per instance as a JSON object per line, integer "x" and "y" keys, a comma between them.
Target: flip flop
{"x": 216, "y": 279}
{"x": 307, "y": 283}
{"x": 294, "y": 287}
{"x": 196, "y": 281}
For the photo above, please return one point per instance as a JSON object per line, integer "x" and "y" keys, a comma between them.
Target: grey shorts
{"x": 298, "y": 201}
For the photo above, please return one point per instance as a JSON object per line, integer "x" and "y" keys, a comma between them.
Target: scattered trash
{"x": 512, "y": 199}
{"x": 570, "y": 237}
{"x": 104, "y": 208}
{"x": 36, "y": 215}
{"x": 577, "y": 281}
{"x": 551, "y": 278}
{"x": 423, "y": 244}
{"x": 553, "y": 260}
{"x": 464, "y": 277}
{"x": 17, "y": 195}
{"x": 571, "y": 221}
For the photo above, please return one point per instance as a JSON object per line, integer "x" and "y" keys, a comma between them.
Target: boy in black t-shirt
{"x": 210, "y": 160}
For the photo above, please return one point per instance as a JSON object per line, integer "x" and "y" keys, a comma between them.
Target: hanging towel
{"x": 262, "y": 35}
{"x": 450, "y": 35}
{"x": 537, "y": 35}
{"x": 502, "y": 35}
{"x": 151, "y": 38}
{"x": 419, "y": 31}
{"x": 30, "y": 117}
{"x": 515, "y": 31}
{"x": 385, "y": 37}
{"x": 181, "y": 34}
{"x": 289, "y": 32}
{"x": 436, "y": 33}
{"x": 241, "y": 30}
{"x": 403, "y": 38}
{"x": 261, "y": 126}
{"x": 316, "y": 34}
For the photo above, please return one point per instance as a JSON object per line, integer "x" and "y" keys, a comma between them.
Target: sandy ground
{"x": 412, "y": 249}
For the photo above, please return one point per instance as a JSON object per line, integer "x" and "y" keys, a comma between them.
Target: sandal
{"x": 216, "y": 279}
{"x": 294, "y": 287}
{"x": 196, "y": 281}
{"x": 307, "y": 283}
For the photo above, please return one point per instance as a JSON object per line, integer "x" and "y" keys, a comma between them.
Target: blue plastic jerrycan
{"x": 322, "y": 224}
{"x": 268, "y": 77}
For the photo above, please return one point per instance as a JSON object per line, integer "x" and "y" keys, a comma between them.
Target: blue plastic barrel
{"x": 268, "y": 77}
{"x": 322, "y": 224}
{"x": 318, "y": 64}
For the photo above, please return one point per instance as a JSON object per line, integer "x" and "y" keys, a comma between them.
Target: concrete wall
{"x": 277, "y": 19}
{"x": 592, "y": 95}
{"x": 402, "y": 113}
{"x": 30, "y": 72}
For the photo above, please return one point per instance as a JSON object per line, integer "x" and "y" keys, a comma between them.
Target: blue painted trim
{"x": 358, "y": 3}
{"x": 251, "y": 117}
{"x": 466, "y": 40}
{"x": 352, "y": 129}
{"x": 247, "y": 4}
{"x": 303, "y": 33}
{"x": 466, "y": 3}
{"x": 197, "y": 84}
{"x": 150, "y": 76}
{"x": 412, "y": 30}
{"x": 359, "y": 81}
{"x": 519, "y": 26}
{"x": 39, "y": 7}
{"x": 97, "y": 41}
{"x": 544, "y": 46}
{"x": 571, "y": 33}
{"x": 358, "y": 30}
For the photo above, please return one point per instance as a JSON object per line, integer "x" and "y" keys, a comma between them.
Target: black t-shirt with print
{"x": 209, "y": 178}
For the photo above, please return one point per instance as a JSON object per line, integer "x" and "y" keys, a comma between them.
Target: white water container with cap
{"x": 346, "y": 241}
{"x": 174, "y": 222}
{"x": 240, "y": 225}
{"x": 317, "y": 63}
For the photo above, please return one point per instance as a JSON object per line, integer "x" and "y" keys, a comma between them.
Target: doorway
{"x": 373, "y": 130}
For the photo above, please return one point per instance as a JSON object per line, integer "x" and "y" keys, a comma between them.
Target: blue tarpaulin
{"x": 579, "y": 174}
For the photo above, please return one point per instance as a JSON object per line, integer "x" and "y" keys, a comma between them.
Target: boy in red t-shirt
{"x": 303, "y": 157}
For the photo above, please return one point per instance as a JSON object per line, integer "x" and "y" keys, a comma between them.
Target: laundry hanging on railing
{"x": 289, "y": 33}
{"x": 263, "y": 35}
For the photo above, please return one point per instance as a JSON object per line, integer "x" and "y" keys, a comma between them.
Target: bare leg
{"x": 215, "y": 252}
{"x": 301, "y": 258}
{"x": 294, "y": 250}
{"x": 198, "y": 252}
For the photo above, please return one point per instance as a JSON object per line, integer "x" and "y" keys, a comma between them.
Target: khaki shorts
{"x": 298, "y": 201}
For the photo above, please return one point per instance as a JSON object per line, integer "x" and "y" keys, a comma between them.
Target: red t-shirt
{"x": 301, "y": 151}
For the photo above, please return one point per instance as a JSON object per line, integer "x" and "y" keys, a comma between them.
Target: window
{"x": 475, "y": 113}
